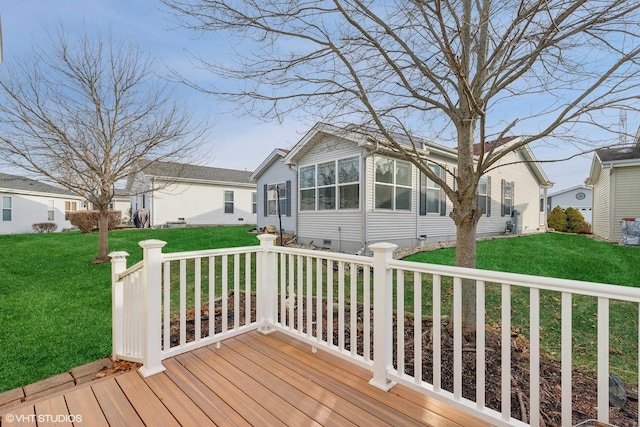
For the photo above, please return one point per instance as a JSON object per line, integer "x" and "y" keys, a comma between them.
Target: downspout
{"x": 545, "y": 209}
{"x": 363, "y": 197}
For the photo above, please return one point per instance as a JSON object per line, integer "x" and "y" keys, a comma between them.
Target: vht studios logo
{"x": 42, "y": 418}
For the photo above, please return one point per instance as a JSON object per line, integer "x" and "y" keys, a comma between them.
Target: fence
{"x": 171, "y": 303}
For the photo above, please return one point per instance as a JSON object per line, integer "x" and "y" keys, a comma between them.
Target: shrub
{"x": 574, "y": 220}
{"x": 87, "y": 221}
{"x": 585, "y": 228}
{"x": 557, "y": 219}
{"x": 44, "y": 227}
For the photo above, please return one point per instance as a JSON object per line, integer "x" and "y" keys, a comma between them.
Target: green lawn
{"x": 55, "y": 306}
{"x": 569, "y": 257}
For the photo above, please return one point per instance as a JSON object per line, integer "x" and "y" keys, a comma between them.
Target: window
{"x": 308, "y": 188}
{"x": 254, "y": 202}
{"x": 228, "y": 201}
{"x": 330, "y": 185}
{"x": 277, "y": 192}
{"x": 507, "y": 198}
{"x": 50, "y": 210}
{"x": 7, "y": 208}
{"x": 484, "y": 195}
{"x": 69, "y": 207}
{"x": 433, "y": 191}
{"x": 393, "y": 184}
{"x": 349, "y": 183}
{"x": 112, "y": 206}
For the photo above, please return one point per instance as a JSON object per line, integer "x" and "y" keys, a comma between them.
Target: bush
{"x": 574, "y": 220}
{"x": 557, "y": 219}
{"x": 44, "y": 227}
{"x": 585, "y": 228}
{"x": 87, "y": 221}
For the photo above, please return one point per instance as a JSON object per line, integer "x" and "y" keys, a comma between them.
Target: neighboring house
{"x": 614, "y": 177}
{"x": 26, "y": 202}
{"x": 122, "y": 202}
{"x": 353, "y": 192}
{"x": 579, "y": 197}
{"x": 276, "y": 201}
{"x": 175, "y": 193}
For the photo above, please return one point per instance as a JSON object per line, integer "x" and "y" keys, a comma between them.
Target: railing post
{"x": 382, "y": 315}
{"x": 266, "y": 291}
{"x": 152, "y": 307}
{"x": 118, "y": 265}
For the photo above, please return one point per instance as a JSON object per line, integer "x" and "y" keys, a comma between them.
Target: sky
{"x": 236, "y": 142}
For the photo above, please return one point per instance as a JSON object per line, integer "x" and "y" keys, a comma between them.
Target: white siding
{"x": 29, "y": 209}
{"x": 201, "y": 204}
{"x": 626, "y": 188}
{"x": 566, "y": 199}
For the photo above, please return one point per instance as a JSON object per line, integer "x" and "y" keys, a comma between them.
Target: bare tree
{"x": 466, "y": 72}
{"x": 82, "y": 112}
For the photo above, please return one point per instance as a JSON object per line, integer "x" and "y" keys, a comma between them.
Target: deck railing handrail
{"x": 304, "y": 293}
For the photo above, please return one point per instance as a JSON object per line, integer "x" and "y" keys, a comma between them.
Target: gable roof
{"x": 363, "y": 136}
{"x": 614, "y": 154}
{"x": 181, "y": 172}
{"x": 277, "y": 154}
{"x": 22, "y": 184}
{"x": 568, "y": 190}
{"x": 366, "y": 137}
{"x": 491, "y": 145}
{"x": 610, "y": 157}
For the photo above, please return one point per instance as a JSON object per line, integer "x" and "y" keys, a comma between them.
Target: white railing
{"x": 171, "y": 303}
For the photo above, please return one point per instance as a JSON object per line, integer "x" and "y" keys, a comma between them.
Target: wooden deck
{"x": 251, "y": 380}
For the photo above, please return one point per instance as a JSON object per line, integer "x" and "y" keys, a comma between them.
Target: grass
{"x": 55, "y": 306}
{"x": 569, "y": 257}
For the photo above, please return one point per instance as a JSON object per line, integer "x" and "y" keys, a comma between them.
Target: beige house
{"x": 615, "y": 179}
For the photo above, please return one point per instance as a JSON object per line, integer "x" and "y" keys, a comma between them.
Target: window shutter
{"x": 289, "y": 196}
{"x": 513, "y": 196}
{"x": 423, "y": 194}
{"x": 502, "y": 197}
{"x": 443, "y": 196}
{"x": 266, "y": 203}
{"x": 488, "y": 196}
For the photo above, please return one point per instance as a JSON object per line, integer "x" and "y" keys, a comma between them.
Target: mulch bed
{"x": 584, "y": 390}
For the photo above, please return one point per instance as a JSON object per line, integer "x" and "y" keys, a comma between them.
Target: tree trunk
{"x": 466, "y": 257}
{"x": 103, "y": 237}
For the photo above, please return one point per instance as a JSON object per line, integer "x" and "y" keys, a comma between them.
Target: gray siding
{"x": 278, "y": 172}
{"x": 342, "y": 228}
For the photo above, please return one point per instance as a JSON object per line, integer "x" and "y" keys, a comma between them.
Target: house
{"x": 26, "y": 202}
{"x": 578, "y": 197}
{"x": 614, "y": 177}
{"x": 276, "y": 201}
{"x": 352, "y": 192}
{"x": 176, "y": 194}
{"x": 121, "y": 202}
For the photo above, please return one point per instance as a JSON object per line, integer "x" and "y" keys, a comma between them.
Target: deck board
{"x": 252, "y": 379}
{"x": 339, "y": 377}
{"x": 82, "y": 402}
{"x": 149, "y": 408}
{"x": 178, "y": 403}
{"x": 115, "y": 405}
{"x": 53, "y": 412}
